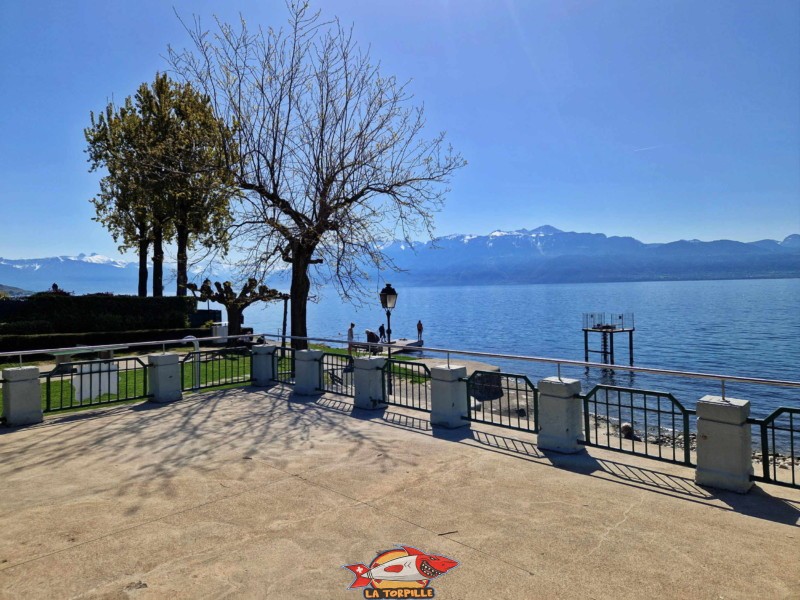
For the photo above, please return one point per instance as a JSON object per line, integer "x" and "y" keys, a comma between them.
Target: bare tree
{"x": 330, "y": 152}
{"x": 235, "y": 302}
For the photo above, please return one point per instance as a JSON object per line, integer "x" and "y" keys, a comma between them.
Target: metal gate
{"x": 643, "y": 422}
{"x": 503, "y": 399}
{"x": 780, "y": 447}
{"x": 407, "y": 383}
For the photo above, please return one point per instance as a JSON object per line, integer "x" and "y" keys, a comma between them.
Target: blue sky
{"x": 660, "y": 120}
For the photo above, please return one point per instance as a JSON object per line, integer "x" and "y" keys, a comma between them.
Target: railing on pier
{"x": 216, "y": 368}
{"x": 336, "y": 374}
{"x": 643, "y": 422}
{"x": 407, "y": 383}
{"x": 503, "y": 399}
{"x": 93, "y": 383}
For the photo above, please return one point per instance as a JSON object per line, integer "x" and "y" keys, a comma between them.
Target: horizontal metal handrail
{"x": 102, "y": 347}
{"x": 570, "y": 363}
{"x": 450, "y": 351}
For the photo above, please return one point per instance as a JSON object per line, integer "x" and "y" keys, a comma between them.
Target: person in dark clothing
{"x": 419, "y": 331}
{"x": 382, "y": 332}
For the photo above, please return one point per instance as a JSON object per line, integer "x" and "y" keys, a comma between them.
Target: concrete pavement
{"x": 253, "y": 493}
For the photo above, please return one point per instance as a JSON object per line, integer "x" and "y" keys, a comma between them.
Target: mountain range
{"x": 86, "y": 274}
{"x": 549, "y": 255}
{"x": 541, "y": 255}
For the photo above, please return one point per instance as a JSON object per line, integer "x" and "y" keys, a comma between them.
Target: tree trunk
{"x": 234, "y": 320}
{"x": 158, "y": 262}
{"x": 182, "y": 239}
{"x": 144, "y": 245}
{"x": 301, "y": 286}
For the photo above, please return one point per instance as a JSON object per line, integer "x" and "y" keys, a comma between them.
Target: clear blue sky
{"x": 660, "y": 120}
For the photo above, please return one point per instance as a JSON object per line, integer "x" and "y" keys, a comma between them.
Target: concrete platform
{"x": 255, "y": 494}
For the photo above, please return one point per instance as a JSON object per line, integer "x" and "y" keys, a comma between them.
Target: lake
{"x": 748, "y": 327}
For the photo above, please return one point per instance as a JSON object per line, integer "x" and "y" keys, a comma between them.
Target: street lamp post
{"x": 388, "y": 297}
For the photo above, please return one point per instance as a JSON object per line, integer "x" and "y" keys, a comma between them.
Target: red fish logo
{"x": 403, "y": 572}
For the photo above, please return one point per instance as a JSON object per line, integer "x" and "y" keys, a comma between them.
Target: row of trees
{"x": 326, "y": 153}
{"x": 167, "y": 178}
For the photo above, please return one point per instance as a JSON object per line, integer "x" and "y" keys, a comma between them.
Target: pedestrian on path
{"x": 350, "y": 337}
{"x": 382, "y": 332}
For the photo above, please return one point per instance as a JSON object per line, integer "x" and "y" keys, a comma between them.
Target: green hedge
{"x": 57, "y": 313}
{"x": 14, "y": 343}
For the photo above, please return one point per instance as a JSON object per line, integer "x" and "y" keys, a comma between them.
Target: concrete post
{"x": 724, "y": 451}
{"x": 219, "y": 330}
{"x": 165, "y": 377}
{"x": 263, "y": 365}
{"x": 307, "y": 372}
{"x": 22, "y": 396}
{"x": 368, "y": 381}
{"x": 560, "y": 408}
{"x": 449, "y": 401}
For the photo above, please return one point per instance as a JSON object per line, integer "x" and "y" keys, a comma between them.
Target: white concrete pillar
{"x": 22, "y": 396}
{"x": 165, "y": 377}
{"x": 219, "y": 330}
{"x": 307, "y": 372}
{"x": 368, "y": 380}
{"x": 560, "y": 411}
{"x": 263, "y": 365}
{"x": 724, "y": 451}
{"x": 449, "y": 401}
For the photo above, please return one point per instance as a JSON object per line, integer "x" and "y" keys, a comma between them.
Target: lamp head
{"x": 388, "y": 297}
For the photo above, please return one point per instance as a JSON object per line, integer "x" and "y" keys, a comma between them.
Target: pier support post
{"x": 449, "y": 401}
{"x": 307, "y": 372}
{"x": 22, "y": 397}
{"x": 368, "y": 382}
{"x": 165, "y": 377}
{"x": 263, "y": 365}
{"x": 560, "y": 408}
{"x": 724, "y": 452}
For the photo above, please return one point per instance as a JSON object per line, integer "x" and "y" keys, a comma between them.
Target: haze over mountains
{"x": 541, "y": 255}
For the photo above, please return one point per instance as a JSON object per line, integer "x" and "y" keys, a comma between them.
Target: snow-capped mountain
{"x": 549, "y": 255}
{"x": 80, "y": 274}
{"x": 89, "y": 273}
{"x": 541, "y": 255}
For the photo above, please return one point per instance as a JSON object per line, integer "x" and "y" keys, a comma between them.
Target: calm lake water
{"x": 749, "y": 328}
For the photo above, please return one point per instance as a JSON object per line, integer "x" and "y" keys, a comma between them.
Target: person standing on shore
{"x": 350, "y": 339}
{"x": 382, "y": 332}
{"x": 419, "y": 331}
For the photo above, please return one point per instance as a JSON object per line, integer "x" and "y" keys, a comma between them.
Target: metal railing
{"x": 215, "y": 368}
{"x": 93, "y": 382}
{"x": 780, "y": 447}
{"x": 775, "y": 435}
{"x": 336, "y": 374}
{"x": 643, "y": 422}
{"x": 407, "y": 383}
{"x": 283, "y": 364}
{"x": 503, "y": 399}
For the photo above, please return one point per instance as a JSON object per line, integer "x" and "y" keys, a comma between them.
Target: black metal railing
{"x": 780, "y": 447}
{"x": 643, "y": 422}
{"x": 337, "y": 373}
{"x": 407, "y": 383}
{"x": 503, "y": 399}
{"x": 283, "y": 364}
{"x": 93, "y": 382}
{"x": 215, "y": 368}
